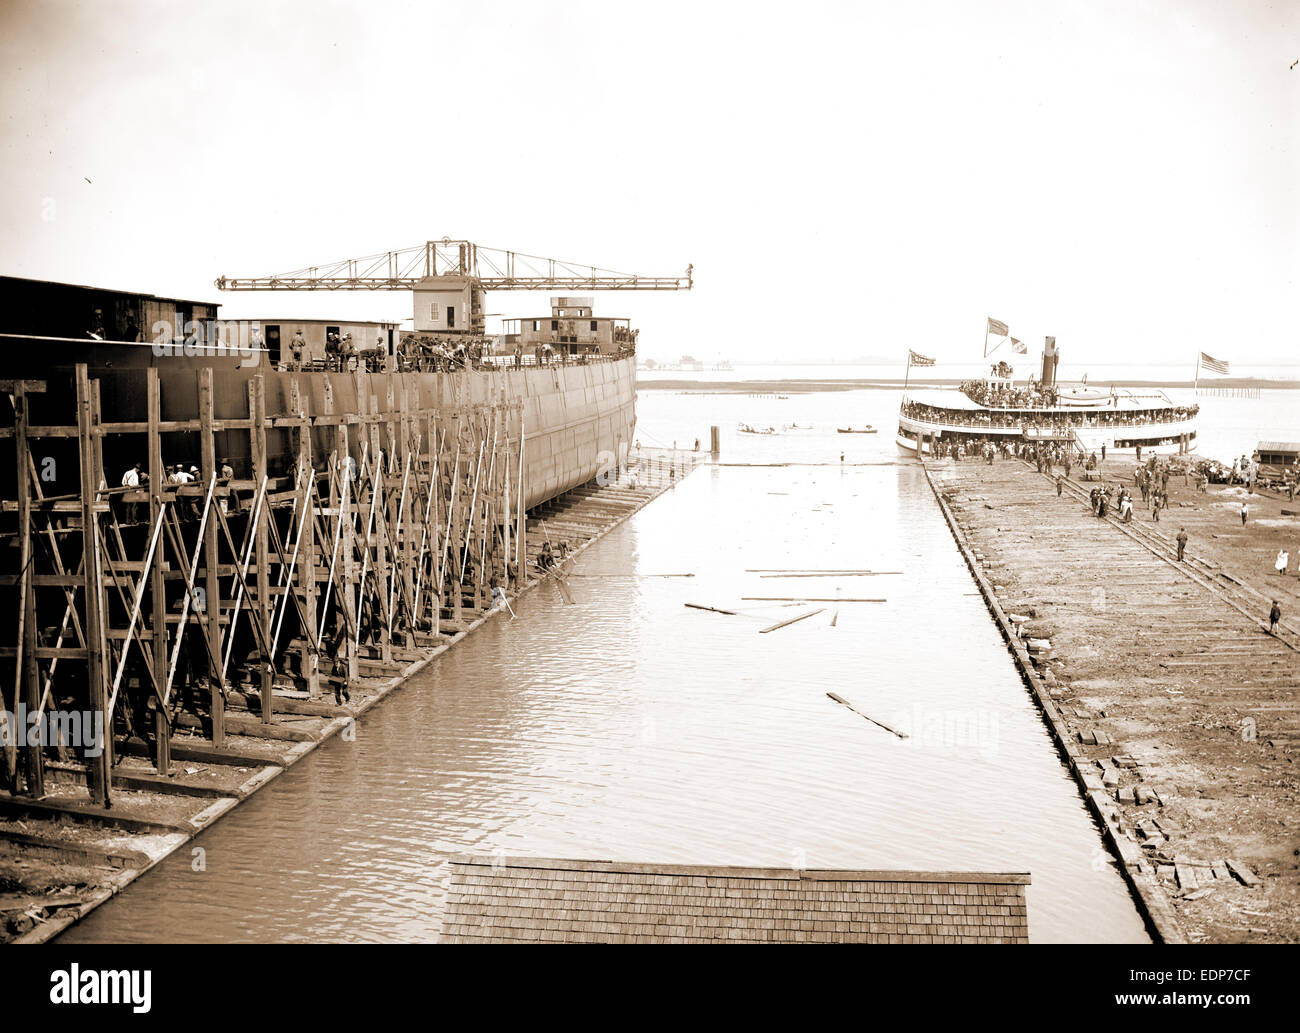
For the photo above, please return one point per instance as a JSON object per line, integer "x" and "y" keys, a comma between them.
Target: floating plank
{"x": 792, "y": 620}
{"x": 711, "y": 609}
{"x": 802, "y": 599}
{"x": 837, "y": 573}
{"x": 844, "y": 702}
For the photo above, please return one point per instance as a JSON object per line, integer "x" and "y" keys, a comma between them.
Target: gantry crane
{"x": 404, "y": 269}
{"x": 442, "y": 268}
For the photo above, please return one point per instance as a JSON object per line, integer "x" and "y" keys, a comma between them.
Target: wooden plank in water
{"x": 711, "y": 609}
{"x": 802, "y": 599}
{"x": 841, "y": 700}
{"x": 792, "y": 620}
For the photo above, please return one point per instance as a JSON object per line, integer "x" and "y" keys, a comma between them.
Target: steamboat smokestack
{"x": 1050, "y": 357}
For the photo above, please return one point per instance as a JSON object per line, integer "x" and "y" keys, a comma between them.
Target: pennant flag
{"x": 917, "y": 359}
{"x": 997, "y": 327}
{"x": 1213, "y": 364}
{"x": 1019, "y": 347}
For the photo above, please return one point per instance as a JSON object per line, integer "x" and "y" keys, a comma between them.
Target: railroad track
{"x": 1236, "y": 593}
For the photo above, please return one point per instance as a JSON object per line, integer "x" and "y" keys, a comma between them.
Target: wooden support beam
{"x": 299, "y": 403}
{"x": 212, "y": 585}
{"x": 26, "y": 675}
{"x": 100, "y": 766}
{"x": 261, "y": 612}
{"x": 157, "y": 590}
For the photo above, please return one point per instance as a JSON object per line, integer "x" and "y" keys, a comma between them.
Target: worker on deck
{"x": 131, "y": 479}
{"x": 296, "y": 347}
{"x": 337, "y": 654}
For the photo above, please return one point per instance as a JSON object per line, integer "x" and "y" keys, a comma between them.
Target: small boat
{"x": 745, "y": 428}
{"x": 868, "y": 429}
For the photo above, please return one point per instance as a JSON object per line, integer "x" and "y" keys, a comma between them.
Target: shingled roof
{"x": 541, "y": 900}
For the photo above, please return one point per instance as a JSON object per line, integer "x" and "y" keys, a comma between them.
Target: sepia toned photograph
{"x": 521, "y": 473}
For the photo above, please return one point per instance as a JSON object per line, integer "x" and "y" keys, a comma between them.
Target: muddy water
{"x": 628, "y": 726}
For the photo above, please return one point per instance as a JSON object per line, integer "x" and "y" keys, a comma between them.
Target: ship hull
{"x": 577, "y": 419}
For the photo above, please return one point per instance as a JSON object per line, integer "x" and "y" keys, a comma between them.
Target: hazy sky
{"x": 847, "y": 178}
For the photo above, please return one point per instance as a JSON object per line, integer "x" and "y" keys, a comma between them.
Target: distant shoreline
{"x": 732, "y": 387}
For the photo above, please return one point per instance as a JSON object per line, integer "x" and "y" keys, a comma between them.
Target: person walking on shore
{"x": 1182, "y": 543}
{"x": 1245, "y": 510}
{"x": 1283, "y": 558}
{"x": 1274, "y": 615}
{"x": 1060, "y": 481}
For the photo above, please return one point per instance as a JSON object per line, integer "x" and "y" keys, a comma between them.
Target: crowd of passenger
{"x": 1007, "y": 396}
{"x": 1058, "y": 421}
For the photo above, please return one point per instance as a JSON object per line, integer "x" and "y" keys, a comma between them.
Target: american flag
{"x": 917, "y": 359}
{"x": 1019, "y": 347}
{"x": 1213, "y": 364}
{"x": 996, "y": 326}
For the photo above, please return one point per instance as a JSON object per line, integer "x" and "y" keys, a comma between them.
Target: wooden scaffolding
{"x": 209, "y": 603}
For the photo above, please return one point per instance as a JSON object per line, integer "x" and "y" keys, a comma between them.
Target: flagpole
{"x": 1196, "y": 382}
{"x": 908, "y": 375}
{"x": 986, "y": 338}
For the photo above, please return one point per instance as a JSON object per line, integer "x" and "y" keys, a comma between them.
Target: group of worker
{"x": 175, "y": 474}
{"x": 341, "y": 352}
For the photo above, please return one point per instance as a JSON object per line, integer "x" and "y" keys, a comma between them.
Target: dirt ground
{"x": 1184, "y": 703}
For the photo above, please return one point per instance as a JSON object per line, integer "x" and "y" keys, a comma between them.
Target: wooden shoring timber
{"x": 28, "y": 615}
{"x": 98, "y": 773}
{"x": 157, "y": 589}
{"x": 260, "y": 612}
{"x": 201, "y": 614}
{"x": 366, "y": 499}
{"x": 473, "y": 503}
{"x": 372, "y": 594}
{"x": 212, "y": 631}
{"x": 410, "y": 510}
{"x": 401, "y": 570}
{"x": 505, "y": 511}
{"x": 521, "y": 528}
{"x": 376, "y": 564}
{"x": 489, "y": 507}
{"x": 451, "y": 511}
{"x": 306, "y": 568}
{"x": 26, "y": 673}
{"x": 338, "y": 508}
{"x": 137, "y": 601}
{"x": 244, "y": 557}
{"x": 340, "y": 578}
{"x": 378, "y": 538}
{"x": 300, "y": 518}
{"x": 427, "y": 555}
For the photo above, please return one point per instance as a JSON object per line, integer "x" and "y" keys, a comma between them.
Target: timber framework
{"x": 352, "y": 533}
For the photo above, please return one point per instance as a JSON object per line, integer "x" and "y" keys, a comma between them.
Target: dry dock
{"x": 61, "y": 856}
{"x": 1175, "y": 706}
